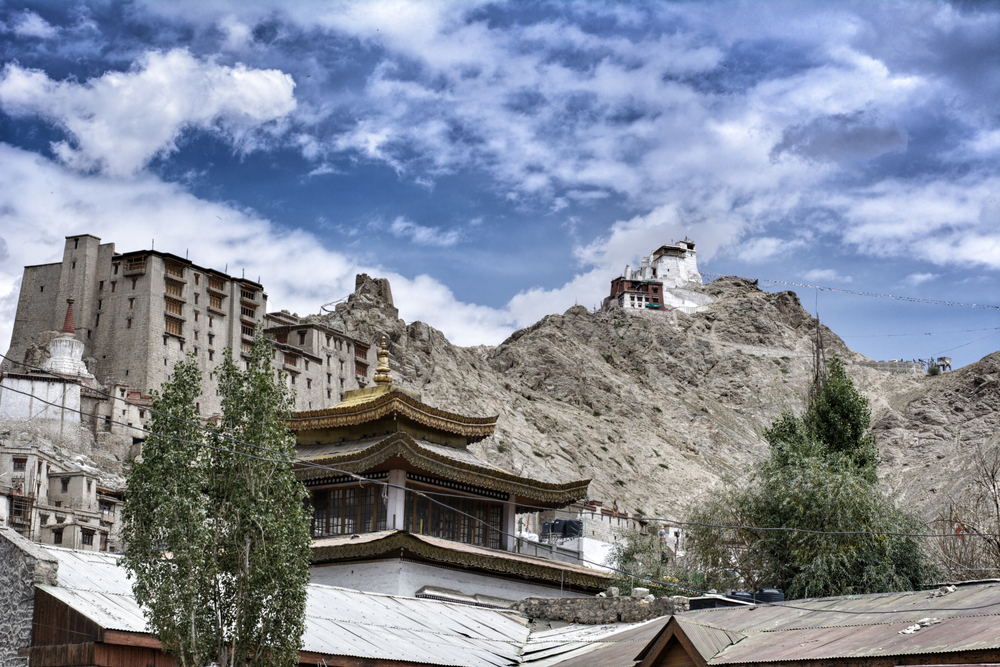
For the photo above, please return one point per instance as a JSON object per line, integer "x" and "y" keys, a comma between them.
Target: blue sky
{"x": 502, "y": 161}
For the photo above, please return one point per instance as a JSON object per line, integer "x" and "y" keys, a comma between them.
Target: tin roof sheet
{"x": 366, "y": 625}
{"x": 850, "y": 626}
{"x": 610, "y": 645}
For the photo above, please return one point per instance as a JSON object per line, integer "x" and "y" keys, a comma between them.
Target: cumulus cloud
{"x": 120, "y": 121}
{"x": 915, "y": 279}
{"x": 421, "y": 235}
{"x": 42, "y": 202}
{"x": 765, "y": 248}
{"x": 954, "y": 221}
{"x": 30, "y": 24}
{"x": 827, "y": 275}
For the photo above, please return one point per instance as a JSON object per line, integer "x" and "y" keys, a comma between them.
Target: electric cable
{"x": 911, "y": 299}
{"x": 305, "y": 463}
{"x": 621, "y": 571}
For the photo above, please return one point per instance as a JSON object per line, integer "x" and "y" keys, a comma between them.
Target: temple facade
{"x": 392, "y": 480}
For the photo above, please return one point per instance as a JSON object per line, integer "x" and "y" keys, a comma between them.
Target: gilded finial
{"x": 382, "y": 376}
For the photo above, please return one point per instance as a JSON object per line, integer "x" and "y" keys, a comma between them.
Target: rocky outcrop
{"x": 656, "y": 407}
{"x": 929, "y": 435}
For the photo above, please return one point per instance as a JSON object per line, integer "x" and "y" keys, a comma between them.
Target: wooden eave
{"x": 393, "y": 403}
{"x": 438, "y": 464}
{"x": 463, "y": 555}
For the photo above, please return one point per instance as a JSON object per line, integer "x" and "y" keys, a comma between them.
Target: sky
{"x": 499, "y": 162}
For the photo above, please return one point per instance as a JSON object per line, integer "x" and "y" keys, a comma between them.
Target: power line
{"x": 618, "y": 570}
{"x": 925, "y": 333}
{"x": 305, "y": 463}
{"x": 911, "y": 299}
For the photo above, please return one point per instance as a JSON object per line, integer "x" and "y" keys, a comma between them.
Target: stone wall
{"x": 914, "y": 367}
{"x": 600, "y": 610}
{"x": 22, "y": 565}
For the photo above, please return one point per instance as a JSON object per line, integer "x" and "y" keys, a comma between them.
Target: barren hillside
{"x": 656, "y": 407}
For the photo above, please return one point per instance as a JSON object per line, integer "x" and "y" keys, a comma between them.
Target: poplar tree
{"x": 821, "y": 480}
{"x": 215, "y": 526}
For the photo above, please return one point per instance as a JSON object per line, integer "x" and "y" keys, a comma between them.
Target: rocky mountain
{"x": 657, "y": 407}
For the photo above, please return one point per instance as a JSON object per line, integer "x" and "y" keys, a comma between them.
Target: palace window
{"x": 215, "y": 301}
{"x": 57, "y": 536}
{"x": 173, "y": 326}
{"x": 175, "y": 269}
{"x": 446, "y": 519}
{"x": 249, "y": 295}
{"x": 348, "y": 511}
{"x": 87, "y": 538}
{"x": 174, "y": 306}
{"x": 174, "y": 289}
{"x": 20, "y": 465}
{"x": 248, "y": 311}
{"x": 246, "y": 329}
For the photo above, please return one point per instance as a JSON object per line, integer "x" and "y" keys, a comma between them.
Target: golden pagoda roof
{"x": 364, "y": 405}
{"x": 452, "y": 463}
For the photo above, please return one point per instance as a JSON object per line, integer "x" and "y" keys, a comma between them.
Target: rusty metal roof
{"x": 968, "y": 619}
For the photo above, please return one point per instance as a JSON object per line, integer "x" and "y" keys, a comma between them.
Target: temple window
{"x": 347, "y": 511}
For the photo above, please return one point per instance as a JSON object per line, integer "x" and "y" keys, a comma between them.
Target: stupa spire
{"x": 382, "y": 371}
{"x": 68, "y": 325}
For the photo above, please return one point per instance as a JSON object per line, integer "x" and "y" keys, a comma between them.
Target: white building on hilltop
{"x": 664, "y": 280}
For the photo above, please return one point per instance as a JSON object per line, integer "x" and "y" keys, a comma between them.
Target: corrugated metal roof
{"x": 951, "y": 635}
{"x": 852, "y": 626}
{"x": 591, "y": 645}
{"x": 707, "y": 639}
{"x": 338, "y": 621}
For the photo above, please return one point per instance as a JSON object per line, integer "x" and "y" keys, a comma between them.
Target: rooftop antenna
{"x": 152, "y": 244}
{"x": 186, "y": 253}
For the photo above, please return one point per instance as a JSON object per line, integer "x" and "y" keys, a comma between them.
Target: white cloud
{"x": 42, "y": 202}
{"x": 421, "y": 235}
{"x": 30, "y": 24}
{"x": 954, "y": 221}
{"x": 827, "y": 275}
{"x": 121, "y": 120}
{"x": 765, "y": 248}
{"x": 919, "y": 278}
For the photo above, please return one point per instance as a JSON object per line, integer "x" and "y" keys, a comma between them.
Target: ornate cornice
{"x": 465, "y": 555}
{"x": 436, "y": 463}
{"x": 393, "y": 402}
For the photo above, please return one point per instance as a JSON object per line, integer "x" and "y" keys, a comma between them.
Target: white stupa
{"x": 66, "y": 352}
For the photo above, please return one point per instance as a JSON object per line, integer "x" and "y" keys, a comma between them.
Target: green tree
{"x": 165, "y": 523}
{"x": 822, "y": 479}
{"x": 215, "y": 526}
{"x": 638, "y": 561}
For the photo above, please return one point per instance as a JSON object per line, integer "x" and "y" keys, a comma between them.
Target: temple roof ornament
{"x": 383, "y": 372}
